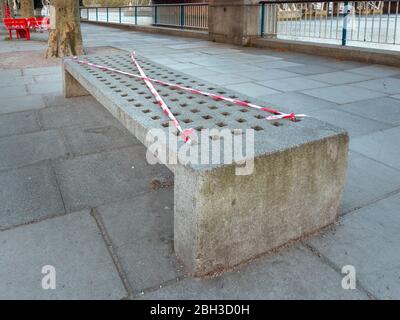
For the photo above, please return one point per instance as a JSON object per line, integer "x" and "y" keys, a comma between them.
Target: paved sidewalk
{"x": 76, "y": 191}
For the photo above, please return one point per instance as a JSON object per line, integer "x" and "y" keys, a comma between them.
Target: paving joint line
{"x": 385, "y": 196}
{"x": 324, "y": 259}
{"x": 110, "y": 248}
{"x": 369, "y": 158}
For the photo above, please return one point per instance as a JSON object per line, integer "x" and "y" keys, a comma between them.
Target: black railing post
{"x": 262, "y": 19}
{"x": 345, "y": 17}
{"x": 182, "y": 16}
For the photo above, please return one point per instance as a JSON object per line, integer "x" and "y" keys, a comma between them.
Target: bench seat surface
{"x": 132, "y": 103}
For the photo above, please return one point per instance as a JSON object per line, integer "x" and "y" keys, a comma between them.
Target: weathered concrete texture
{"x": 73, "y": 246}
{"x": 267, "y": 212}
{"x": 71, "y": 87}
{"x": 28, "y": 194}
{"x": 112, "y": 176}
{"x": 291, "y": 274}
{"x": 141, "y": 231}
{"x": 223, "y": 219}
{"x": 368, "y": 239}
{"x": 233, "y": 21}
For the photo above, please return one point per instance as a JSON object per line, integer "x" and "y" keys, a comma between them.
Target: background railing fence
{"x": 374, "y": 22}
{"x": 184, "y": 16}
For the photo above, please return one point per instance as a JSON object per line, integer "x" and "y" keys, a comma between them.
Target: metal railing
{"x": 360, "y": 23}
{"x": 183, "y": 16}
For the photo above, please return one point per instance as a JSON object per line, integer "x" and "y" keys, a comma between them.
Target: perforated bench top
{"x": 131, "y": 102}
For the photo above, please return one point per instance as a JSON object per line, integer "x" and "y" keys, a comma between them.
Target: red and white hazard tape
{"x": 277, "y": 115}
{"x": 184, "y": 133}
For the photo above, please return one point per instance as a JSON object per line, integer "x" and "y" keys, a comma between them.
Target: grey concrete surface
{"x": 369, "y": 240}
{"x": 295, "y": 273}
{"x": 92, "y": 180}
{"x": 368, "y": 235}
{"x": 73, "y": 246}
{"x": 141, "y": 230}
{"x": 29, "y": 194}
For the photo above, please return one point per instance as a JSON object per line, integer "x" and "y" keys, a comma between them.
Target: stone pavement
{"x": 76, "y": 192}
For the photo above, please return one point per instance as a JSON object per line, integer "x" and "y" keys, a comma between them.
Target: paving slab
{"x": 354, "y": 125}
{"x": 45, "y": 88}
{"x": 310, "y": 68}
{"x": 28, "y": 194}
{"x": 381, "y": 109}
{"x": 16, "y": 80}
{"x": 271, "y": 74}
{"x": 13, "y": 91}
{"x": 233, "y": 68}
{"x": 73, "y": 245}
{"x": 82, "y": 141}
{"x": 369, "y": 240}
{"x": 367, "y": 181}
{"x": 298, "y": 102}
{"x": 278, "y": 64}
{"x": 85, "y": 112}
{"x": 17, "y": 104}
{"x": 48, "y": 78}
{"x": 292, "y": 84}
{"x": 340, "y": 77}
{"x": 385, "y": 85}
{"x": 227, "y": 79}
{"x": 251, "y": 89}
{"x": 96, "y": 179}
{"x": 343, "y": 94}
{"x": 7, "y": 73}
{"x": 376, "y": 70}
{"x": 141, "y": 230}
{"x": 41, "y": 71}
{"x": 295, "y": 273}
{"x": 18, "y": 123}
{"x": 25, "y": 149}
{"x": 382, "y": 146}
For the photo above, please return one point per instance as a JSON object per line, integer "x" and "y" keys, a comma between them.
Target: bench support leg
{"x": 71, "y": 87}
{"x": 222, "y": 219}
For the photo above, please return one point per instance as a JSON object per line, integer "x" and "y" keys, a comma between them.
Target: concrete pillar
{"x": 233, "y": 21}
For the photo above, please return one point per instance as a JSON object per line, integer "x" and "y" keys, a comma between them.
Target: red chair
{"x": 8, "y": 11}
{"x": 40, "y": 24}
{"x": 20, "y": 25}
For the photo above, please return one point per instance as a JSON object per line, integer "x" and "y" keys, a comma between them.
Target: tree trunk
{"x": 2, "y": 9}
{"x": 65, "y": 37}
{"x": 27, "y": 9}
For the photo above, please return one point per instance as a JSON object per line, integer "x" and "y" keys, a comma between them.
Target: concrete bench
{"x": 222, "y": 219}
